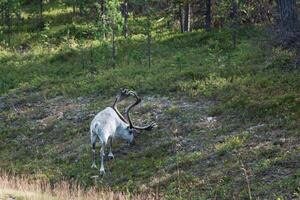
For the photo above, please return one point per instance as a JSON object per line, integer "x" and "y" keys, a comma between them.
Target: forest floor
{"x": 191, "y": 154}
{"x": 228, "y": 118}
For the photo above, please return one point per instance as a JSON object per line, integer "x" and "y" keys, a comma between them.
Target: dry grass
{"x": 13, "y": 187}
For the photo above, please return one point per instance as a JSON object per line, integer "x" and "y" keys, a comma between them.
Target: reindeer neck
{"x": 120, "y": 115}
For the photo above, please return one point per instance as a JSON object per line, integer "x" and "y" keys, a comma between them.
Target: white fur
{"x": 107, "y": 124}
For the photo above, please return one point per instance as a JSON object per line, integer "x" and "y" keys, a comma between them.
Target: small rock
{"x": 210, "y": 119}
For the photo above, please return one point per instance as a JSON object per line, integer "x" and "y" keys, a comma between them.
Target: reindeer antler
{"x": 124, "y": 93}
{"x": 138, "y": 100}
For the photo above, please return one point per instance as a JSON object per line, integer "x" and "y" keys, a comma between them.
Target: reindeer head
{"x": 127, "y": 133}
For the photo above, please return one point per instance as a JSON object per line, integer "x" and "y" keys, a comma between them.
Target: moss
{"x": 247, "y": 84}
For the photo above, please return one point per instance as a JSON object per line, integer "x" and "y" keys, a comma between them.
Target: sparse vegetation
{"x": 13, "y": 187}
{"x": 228, "y": 116}
{"x": 232, "y": 143}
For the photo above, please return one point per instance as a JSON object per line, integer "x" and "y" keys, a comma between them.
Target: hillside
{"x": 228, "y": 118}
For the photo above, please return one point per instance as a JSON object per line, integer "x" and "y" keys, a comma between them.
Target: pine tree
{"x": 113, "y": 24}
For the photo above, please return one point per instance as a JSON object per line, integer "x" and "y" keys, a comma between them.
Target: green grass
{"x": 249, "y": 85}
{"x": 243, "y": 78}
{"x": 232, "y": 143}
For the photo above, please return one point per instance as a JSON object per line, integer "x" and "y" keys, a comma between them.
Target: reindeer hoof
{"x": 102, "y": 171}
{"x": 111, "y": 156}
{"x": 94, "y": 166}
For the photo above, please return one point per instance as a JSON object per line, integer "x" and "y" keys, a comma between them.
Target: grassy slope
{"x": 254, "y": 103}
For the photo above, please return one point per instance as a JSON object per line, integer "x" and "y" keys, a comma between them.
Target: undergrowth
{"x": 252, "y": 85}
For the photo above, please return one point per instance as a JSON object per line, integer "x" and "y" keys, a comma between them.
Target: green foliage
{"x": 112, "y": 20}
{"x": 67, "y": 60}
{"x": 228, "y": 145}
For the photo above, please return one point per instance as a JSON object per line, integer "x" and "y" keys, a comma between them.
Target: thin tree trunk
{"x": 234, "y": 22}
{"x": 2, "y": 13}
{"x": 102, "y": 3}
{"x": 189, "y": 17}
{"x": 74, "y": 9}
{"x": 102, "y": 13}
{"x": 149, "y": 40}
{"x": 91, "y": 54}
{"x": 187, "y": 20}
{"x": 19, "y": 19}
{"x": 41, "y": 24}
{"x": 181, "y": 17}
{"x": 125, "y": 14}
{"x": 288, "y": 14}
{"x": 113, "y": 48}
{"x": 80, "y": 9}
{"x": 8, "y": 22}
{"x": 208, "y": 15}
{"x": 82, "y": 57}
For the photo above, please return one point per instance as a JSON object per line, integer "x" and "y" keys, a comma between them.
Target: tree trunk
{"x": 102, "y": 3}
{"x": 81, "y": 8}
{"x": 113, "y": 48}
{"x": 233, "y": 16}
{"x": 125, "y": 14}
{"x": 2, "y": 13}
{"x": 181, "y": 17}
{"x": 288, "y": 14}
{"x": 208, "y": 15}
{"x": 8, "y": 15}
{"x": 149, "y": 40}
{"x": 74, "y": 9}
{"x": 102, "y": 14}
{"x": 82, "y": 57}
{"x": 187, "y": 20}
{"x": 41, "y": 9}
{"x": 41, "y": 24}
{"x": 189, "y": 28}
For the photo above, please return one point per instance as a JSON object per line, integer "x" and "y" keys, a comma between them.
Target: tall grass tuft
{"x": 28, "y": 189}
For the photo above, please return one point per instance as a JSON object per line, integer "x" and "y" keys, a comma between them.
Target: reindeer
{"x": 110, "y": 123}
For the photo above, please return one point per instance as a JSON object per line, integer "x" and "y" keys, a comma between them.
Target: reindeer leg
{"x": 110, "y": 155}
{"x": 102, "y": 171}
{"x": 94, "y": 155}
